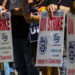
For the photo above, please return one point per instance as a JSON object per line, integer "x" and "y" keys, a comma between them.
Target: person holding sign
{"x": 59, "y": 5}
{"x": 35, "y": 18}
{"x": 22, "y": 47}
{"x": 19, "y": 34}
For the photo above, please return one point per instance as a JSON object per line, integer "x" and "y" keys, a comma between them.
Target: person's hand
{"x": 3, "y": 10}
{"x": 51, "y": 9}
{"x": 1, "y": 7}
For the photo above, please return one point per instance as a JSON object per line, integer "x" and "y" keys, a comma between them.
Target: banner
{"x": 70, "y": 44}
{"x": 6, "y": 48}
{"x": 51, "y": 39}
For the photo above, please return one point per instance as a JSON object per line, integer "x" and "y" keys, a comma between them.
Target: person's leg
{"x": 20, "y": 63}
{"x": 6, "y": 68}
{"x": 55, "y": 71}
{"x": 27, "y": 48}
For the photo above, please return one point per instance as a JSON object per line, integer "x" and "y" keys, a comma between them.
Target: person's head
{"x": 72, "y": 8}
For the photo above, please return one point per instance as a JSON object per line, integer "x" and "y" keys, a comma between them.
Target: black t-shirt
{"x": 1, "y": 1}
{"x": 63, "y": 2}
{"x": 66, "y": 2}
{"x": 20, "y": 28}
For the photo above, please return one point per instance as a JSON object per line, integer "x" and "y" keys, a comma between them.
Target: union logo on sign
{"x": 4, "y": 37}
{"x": 43, "y": 45}
{"x": 56, "y": 38}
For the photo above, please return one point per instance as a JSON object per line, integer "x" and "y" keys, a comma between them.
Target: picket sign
{"x": 51, "y": 39}
{"x": 6, "y": 47}
{"x": 70, "y": 44}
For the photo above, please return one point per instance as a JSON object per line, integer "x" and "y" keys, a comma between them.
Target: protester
{"x": 20, "y": 33}
{"x": 53, "y": 6}
{"x": 35, "y": 18}
{"x": 22, "y": 53}
{"x": 22, "y": 47}
{"x": 22, "y": 50}
{"x": 62, "y": 5}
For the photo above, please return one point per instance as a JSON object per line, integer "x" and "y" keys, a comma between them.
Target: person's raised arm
{"x": 4, "y": 3}
{"x": 28, "y": 16}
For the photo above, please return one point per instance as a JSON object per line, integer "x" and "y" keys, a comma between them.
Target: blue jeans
{"x": 6, "y": 68}
{"x": 23, "y": 58}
